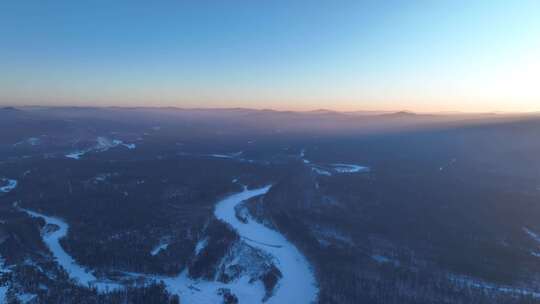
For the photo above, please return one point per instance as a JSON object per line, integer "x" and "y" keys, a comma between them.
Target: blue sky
{"x": 345, "y": 55}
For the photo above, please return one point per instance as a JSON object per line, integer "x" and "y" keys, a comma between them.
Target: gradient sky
{"x": 344, "y": 55}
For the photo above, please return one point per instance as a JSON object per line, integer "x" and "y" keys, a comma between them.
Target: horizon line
{"x": 404, "y": 111}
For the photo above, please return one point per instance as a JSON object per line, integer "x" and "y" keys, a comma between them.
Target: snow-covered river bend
{"x": 297, "y": 285}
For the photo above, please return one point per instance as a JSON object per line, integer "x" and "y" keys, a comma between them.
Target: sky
{"x": 424, "y": 56}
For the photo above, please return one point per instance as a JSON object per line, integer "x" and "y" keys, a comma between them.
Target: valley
{"x": 237, "y": 212}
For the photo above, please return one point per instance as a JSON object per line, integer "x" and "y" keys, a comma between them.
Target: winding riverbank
{"x": 75, "y": 271}
{"x": 297, "y": 285}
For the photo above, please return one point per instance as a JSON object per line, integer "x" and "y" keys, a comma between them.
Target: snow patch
{"x": 32, "y": 141}
{"x": 102, "y": 177}
{"x": 159, "y": 248}
{"x": 298, "y": 283}
{"x": 349, "y": 168}
{"x": 220, "y": 155}
{"x": 205, "y": 292}
{"x": 227, "y": 155}
{"x": 302, "y": 156}
{"x": 200, "y": 246}
{"x": 102, "y": 144}
{"x": 9, "y": 184}
{"x": 321, "y": 171}
{"x": 381, "y": 259}
{"x": 130, "y": 146}
{"x": 532, "y": 234}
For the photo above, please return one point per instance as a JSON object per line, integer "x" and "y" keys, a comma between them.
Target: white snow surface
{"x": 130, "y": 146}
{"x": 297, "y": 285}
{"x": 159, "y": 248}
{"x": 102, "y": 144}
{"x": 206, "y": 292}
{"x": 75, "y": 271}
{"x": 302, "y": 156}
{"x": 200, "y": 246}
{"x": 9, "y": 184}
{"x": 220, "y": 155}
{"x": 532, "y": 234}
{"x": 75, "y": 155}
{"x": 32, "y": 141}
{"x": 227, "y": 155}
{"x": 349, "y": 168}
{"x": 381, "y": 258}
{"x": 329, "y": 169}
{"x": 321, "y": 171}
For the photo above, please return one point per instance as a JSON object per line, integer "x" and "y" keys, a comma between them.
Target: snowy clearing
{"x": 75, "y": 155}
{"x": 302, "y": 156}
{"x": 220, "y": 155}
{"x": 206, "y": 292}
